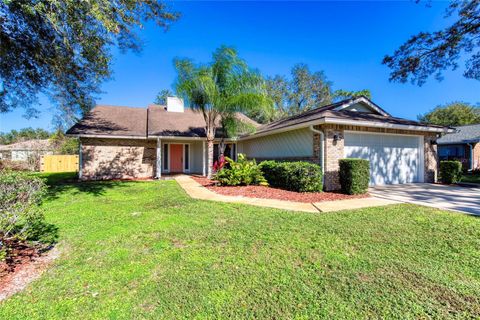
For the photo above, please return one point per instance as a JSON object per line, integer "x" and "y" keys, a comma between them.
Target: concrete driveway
{"x": 433, "y": 195}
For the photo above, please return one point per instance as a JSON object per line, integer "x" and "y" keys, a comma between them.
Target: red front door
{"x": 176, "y": 158}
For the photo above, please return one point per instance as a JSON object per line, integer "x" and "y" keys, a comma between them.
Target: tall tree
{"x": 63, "y": 144}
{"x": 301, "y": 92}
{"x": 431, "y": 53}
{"x": 63, "y": 48}
{"x": 23, "y": 134}
{"x": 343, "y": 94}
{"x": 452, "y": 114}
{"x": 308, "y": 90}
{"x": 162, "y": 96}
{"x": 219, "y": 89}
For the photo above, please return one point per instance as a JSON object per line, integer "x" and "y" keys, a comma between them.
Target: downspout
{"x": 471, "y": 156}
{"x": 80, "y": 164}
{"x": 322, "y": 149}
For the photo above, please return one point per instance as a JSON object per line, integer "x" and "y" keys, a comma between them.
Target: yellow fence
{"x": 59, "y": 163}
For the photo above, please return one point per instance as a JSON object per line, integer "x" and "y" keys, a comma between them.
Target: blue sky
{"x": 347, "y": 40}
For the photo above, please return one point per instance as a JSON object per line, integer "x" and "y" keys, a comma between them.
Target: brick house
{"x": 135, "y": 143}
{"x": 463, "y": 145}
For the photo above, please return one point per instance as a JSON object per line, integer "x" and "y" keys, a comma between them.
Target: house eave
{"x": 330, "y": 120}
{"x": 459, "y": 142}
{"x": 153, "y": 137}
{"x": 374, "y": 124}
{"x": 106, "y": 136}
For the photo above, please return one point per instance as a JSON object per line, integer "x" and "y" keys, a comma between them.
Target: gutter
{"x": 106, "y": 136}
{"x": 471, "y": 156}
{"x": 151, "y": 137}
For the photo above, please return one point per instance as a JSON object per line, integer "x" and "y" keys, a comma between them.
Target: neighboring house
{"x": 22, "y": 151}
{"x": 132, "y": 143}
{"x": 463, "y": 145}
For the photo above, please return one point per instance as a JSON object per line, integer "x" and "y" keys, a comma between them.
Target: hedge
{"x": 450, "y": 171}
{"x": 354, "y": 175}
{"x": 297, "y": 176}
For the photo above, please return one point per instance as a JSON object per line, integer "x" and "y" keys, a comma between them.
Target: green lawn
{"x": 146, "y": 250}
{"x": 471, "y": 178}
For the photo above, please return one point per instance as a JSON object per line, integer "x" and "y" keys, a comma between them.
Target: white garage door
{"x": 393, "y": 158}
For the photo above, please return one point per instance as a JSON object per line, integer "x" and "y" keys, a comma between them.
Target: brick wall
{"x": 476, "y": 156}
{"x": 430, "y": 158}
{"x": 117, "y": 158}
{"x": 334, "y": 150}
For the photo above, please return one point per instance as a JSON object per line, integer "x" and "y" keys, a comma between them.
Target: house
{"x": 22, "y": 151}
{"x": 463, "y": 145}
{"x": 135, "y": 143}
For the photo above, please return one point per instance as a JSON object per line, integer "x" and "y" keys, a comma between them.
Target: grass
{"x": 146, "y": 250}
{"x": 471, "y": 178}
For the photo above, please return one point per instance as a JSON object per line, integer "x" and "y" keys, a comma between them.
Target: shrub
{"x": 241, "y": 172}
{"x": 450, "y": 171}
{"x": 21, "y": 218}
{"x": 14, "y": 165}
{"x": 354, "y": 175}
{"x": 297, "y": 176}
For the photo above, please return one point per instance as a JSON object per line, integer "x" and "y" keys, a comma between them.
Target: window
{"x": 165, "y": 157}
{"x": 215, "y": 152}
{"x": 186, "y": 157}
{"x": 230, "y": 151}
{"x": 451, "y": 152}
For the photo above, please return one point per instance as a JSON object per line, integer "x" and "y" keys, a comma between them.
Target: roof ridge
{"x": 316, "y": 109}
{"x": 114, "y": 106}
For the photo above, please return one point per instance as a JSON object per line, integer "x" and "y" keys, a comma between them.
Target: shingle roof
{"x": 140, "y": 122}
{"x": 112, "y": 120}
{"x": 463, "y": 134}
{"x": 330, "y": 112}
{"x": 157, "y": 121}
{"x": 34, "y": 144}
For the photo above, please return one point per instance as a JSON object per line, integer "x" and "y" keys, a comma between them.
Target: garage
{"x": 394, "y": 158}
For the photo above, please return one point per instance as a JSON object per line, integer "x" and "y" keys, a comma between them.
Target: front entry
{"x": 176, "y": 158}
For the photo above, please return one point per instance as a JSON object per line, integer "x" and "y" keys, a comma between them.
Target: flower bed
{"x": 273, "y": 193}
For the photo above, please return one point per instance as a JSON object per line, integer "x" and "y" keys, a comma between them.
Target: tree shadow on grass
{"x": 59, "y": 183}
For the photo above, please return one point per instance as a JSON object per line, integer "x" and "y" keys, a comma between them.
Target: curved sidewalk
{"x": 197, "y": 191}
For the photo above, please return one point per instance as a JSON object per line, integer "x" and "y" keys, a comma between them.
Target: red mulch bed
{"x": 19, "y": 254}
{"x": 274, "y": 193}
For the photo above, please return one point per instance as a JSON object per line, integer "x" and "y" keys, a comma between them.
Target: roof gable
{"x": 360, "y": 110}
{"x": 362, "y": 104}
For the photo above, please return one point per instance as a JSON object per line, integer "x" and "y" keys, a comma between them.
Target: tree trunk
{"x": 209, "y": 157}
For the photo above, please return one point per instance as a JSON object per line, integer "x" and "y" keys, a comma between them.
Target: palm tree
{"x": 219, "y": 90}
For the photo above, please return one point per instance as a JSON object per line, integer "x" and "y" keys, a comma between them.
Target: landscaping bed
{"x": 273, "y": 193}
{"x": 19, "y": 253}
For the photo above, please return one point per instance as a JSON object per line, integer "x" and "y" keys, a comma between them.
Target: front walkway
{"x": 197, "y": 191}
{"x": 433, "y": 195}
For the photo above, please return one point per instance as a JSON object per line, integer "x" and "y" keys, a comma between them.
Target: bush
{"x": 354, "y": 175}
{"x": 297, "y": 176}
{"x": 21, "y": 218}
{"x": 14, "y": 165}
{"x": 242, "y": 172}
{"x": 450, "y": 171}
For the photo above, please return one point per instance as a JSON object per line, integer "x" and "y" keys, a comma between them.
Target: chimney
{"x": 175, "y": 104}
